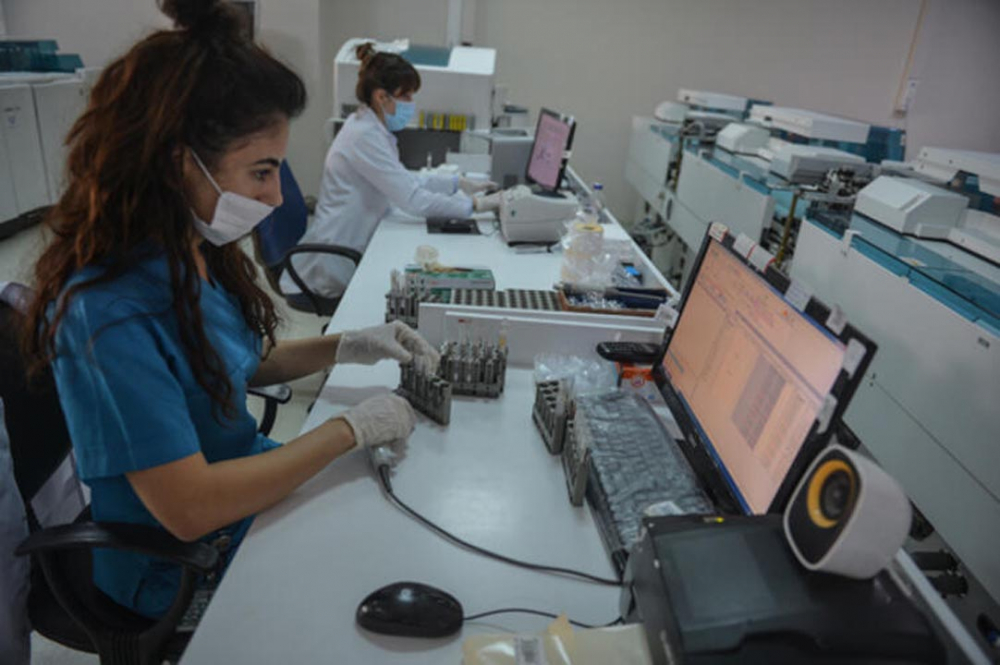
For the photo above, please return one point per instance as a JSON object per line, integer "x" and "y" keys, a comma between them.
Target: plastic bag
{"x": 583, "y": 376}
{"x": 553, "y": 647}
{"x": 561, "y": 645}
{"x": 585, "y": 260}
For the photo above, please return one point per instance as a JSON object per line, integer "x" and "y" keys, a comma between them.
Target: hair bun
{"x": 365, "y": 52}
{"x": 215, "y": 17}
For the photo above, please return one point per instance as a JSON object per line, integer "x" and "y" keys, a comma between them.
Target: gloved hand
{"x": 394, "y": 340}
{"x": 471, "y": 187}
{"x": 486, "y": 202}
{"x": 380, "y": 420}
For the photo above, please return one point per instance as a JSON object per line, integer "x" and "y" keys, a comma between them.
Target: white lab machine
{"x": 672, "y": 112}
{"x": 909, "y": 206}
{"x": 803, "y": 163}
{"x": 58, "y": 104}
{"x": 810, "y": 124}
{"x": 917, "y": 208}
{"x": 742, "y": 139}
{"x": 455, "y": 80}
{"x": 714, "y": 100}
{"x": 943, "y": 165}
{"x": 508, "y": 148}
{"x": 23, "y": 183}
{"x": 927, "y": 411}
{"x": 530, "y": 217}
{"x": 38, "y": 110}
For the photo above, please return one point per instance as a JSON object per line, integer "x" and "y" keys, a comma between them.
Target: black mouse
{"x": 410, "y": 609}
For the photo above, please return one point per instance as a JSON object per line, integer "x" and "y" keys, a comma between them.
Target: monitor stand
{"x": 547, "y": 193}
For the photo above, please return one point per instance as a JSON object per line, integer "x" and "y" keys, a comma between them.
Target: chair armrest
{"x": 322, "y": 248}
{"x": 315, "y": 248}
{"x": 139, "y": 538}
{"x": 279, "y": 392}
{"x": 274, "y": 395}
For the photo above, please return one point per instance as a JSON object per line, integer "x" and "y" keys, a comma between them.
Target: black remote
{"x": 629, "y": 352}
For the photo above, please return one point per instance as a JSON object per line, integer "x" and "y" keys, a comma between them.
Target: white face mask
{"x": 235, "y": 215}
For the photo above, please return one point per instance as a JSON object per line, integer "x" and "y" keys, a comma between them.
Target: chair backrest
{"x": 15, "y": 571}
{"x": 283, "y": 229}
{"x": 39, "y": 440}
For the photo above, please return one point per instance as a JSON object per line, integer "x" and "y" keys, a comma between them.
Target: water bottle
{"x": 597, "y": 198}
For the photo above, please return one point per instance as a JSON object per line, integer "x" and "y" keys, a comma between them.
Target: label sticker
{"x": 837, "y": 320}
{"x": 666, "y": 314}
{"x": 825, "y": 414}
{"x": 853, "y": 356}
{"x": 799, "y": 295}
{"x": 760, "y": 258}
{"x": 717, "y": 231}
{"x": 743, "y": 245}
{"x": 530, "y": 651}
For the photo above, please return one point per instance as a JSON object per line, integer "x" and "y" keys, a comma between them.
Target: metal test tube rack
{"x": 426, "y": 392}
{"x": 474, "y": 368}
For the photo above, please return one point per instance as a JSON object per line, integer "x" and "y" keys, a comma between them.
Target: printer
{"x": 530, "y": 217}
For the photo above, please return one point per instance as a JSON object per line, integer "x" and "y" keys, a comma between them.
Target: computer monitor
{"x": 550, "y": 151}
{"x": 756, "y": 375}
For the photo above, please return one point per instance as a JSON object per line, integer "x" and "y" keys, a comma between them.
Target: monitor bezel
{"x": 566, "y": 119}
{"x": 700, "y": 453}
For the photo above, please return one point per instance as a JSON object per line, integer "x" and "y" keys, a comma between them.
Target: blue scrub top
{"x": 132, "y": 402}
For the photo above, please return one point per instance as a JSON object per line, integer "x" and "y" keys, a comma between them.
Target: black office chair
{"x": 64, "y": 604}
{"x": 276, "y": 243}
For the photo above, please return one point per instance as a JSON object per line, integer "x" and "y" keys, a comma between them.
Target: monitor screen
{"x": 752, "y": 371}
{"x": 549, "y": 154}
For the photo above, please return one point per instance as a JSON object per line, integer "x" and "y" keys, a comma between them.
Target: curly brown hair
{"x": 203, "y": 86}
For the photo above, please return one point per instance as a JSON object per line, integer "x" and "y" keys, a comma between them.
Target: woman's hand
{"x": 380, "y": 420}
{"x": 471, "y": 187}
{"x": 394, "y": 340}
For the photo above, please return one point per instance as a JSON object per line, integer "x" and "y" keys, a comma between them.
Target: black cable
{"x": 383, "y": 474}
{"x": 550, "y": 615}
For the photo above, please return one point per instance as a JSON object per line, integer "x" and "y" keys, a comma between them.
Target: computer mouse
{"x": 410, "y": 609}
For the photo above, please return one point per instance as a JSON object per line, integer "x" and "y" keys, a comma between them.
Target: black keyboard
{"x": 634, "y": 464}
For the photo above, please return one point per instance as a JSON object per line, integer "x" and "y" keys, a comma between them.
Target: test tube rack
{"x": 552, "y": 413}
{"x": 576, "y": 460}
{"x": 426, "y": 392}
{"x": 475, "y": 369}
{"x": 510, "y": 299}
{"x": 405, "y": 306}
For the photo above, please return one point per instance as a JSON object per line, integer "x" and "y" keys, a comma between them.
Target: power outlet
{"x": 909, "y": 92}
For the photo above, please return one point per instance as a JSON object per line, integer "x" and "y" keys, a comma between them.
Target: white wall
{"x": 958, "y": 65}
{"x": 100, "y": 30}
{"x": 606, "y": 61}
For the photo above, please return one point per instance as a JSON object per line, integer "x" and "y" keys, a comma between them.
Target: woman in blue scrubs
{"x": 151, "y": 315}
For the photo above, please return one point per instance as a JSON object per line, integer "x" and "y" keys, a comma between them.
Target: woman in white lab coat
{"x": 363, "y": 175}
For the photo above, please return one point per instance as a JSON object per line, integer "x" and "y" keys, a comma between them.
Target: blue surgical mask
{"x": 394, "y": 122}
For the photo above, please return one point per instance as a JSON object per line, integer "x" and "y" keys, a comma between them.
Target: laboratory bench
{"x": 291, "y": 592}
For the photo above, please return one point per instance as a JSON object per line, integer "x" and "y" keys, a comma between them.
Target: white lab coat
{"x": 361, "y": 178}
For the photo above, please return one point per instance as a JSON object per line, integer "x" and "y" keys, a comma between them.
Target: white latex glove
{"x": 380, "y": 420}
{"x": 394, "y": 340}
{"x": 471, "y": 187}
{"x": 486, "y": 202}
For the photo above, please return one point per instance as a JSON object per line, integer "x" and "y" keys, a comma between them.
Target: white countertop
{"x": 291, "y": 593}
